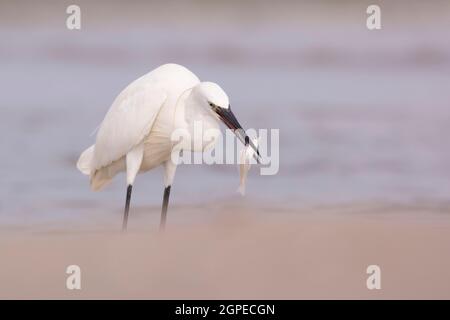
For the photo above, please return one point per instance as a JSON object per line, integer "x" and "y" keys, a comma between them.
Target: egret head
{"x": 210, "y": 94}
{"x": 215, "y": 100}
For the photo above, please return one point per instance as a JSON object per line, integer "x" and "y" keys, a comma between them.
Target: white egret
{"x": 135, "y": 135}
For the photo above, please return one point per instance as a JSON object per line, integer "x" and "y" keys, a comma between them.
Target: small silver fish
{"x": 244, "y": 165}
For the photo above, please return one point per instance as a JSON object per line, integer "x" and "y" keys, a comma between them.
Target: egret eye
{"x": 211, "y": 104}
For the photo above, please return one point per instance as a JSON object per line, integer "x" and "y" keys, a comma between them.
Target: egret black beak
{"x": 228, "y": 117}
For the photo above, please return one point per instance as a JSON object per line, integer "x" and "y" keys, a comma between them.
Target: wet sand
{"x": 316, "y": 253}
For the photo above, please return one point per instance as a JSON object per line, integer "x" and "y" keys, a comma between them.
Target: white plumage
{"x": 135, "y": 135}
{"x": 131, "y": 121}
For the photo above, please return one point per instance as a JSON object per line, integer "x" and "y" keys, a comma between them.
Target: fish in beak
{"x": 229, "y": 119}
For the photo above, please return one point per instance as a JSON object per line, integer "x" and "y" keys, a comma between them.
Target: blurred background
{"x": 363, "y": 115}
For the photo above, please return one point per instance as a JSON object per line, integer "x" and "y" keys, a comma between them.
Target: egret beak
{"x": 227, "y": 116}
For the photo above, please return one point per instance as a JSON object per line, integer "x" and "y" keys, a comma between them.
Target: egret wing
{"x": 127, "y": 122}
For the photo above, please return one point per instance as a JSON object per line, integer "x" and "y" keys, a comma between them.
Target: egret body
{"x": 135, "y": 135}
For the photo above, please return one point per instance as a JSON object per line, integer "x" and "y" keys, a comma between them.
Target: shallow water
{"x": 362, "y": 117}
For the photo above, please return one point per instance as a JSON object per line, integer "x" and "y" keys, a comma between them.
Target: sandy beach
{"x": 241, "y": 255}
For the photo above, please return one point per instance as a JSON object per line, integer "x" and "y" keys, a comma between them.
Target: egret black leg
{"x": 165, "y": 204}
{"x": 127, "y": 208}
